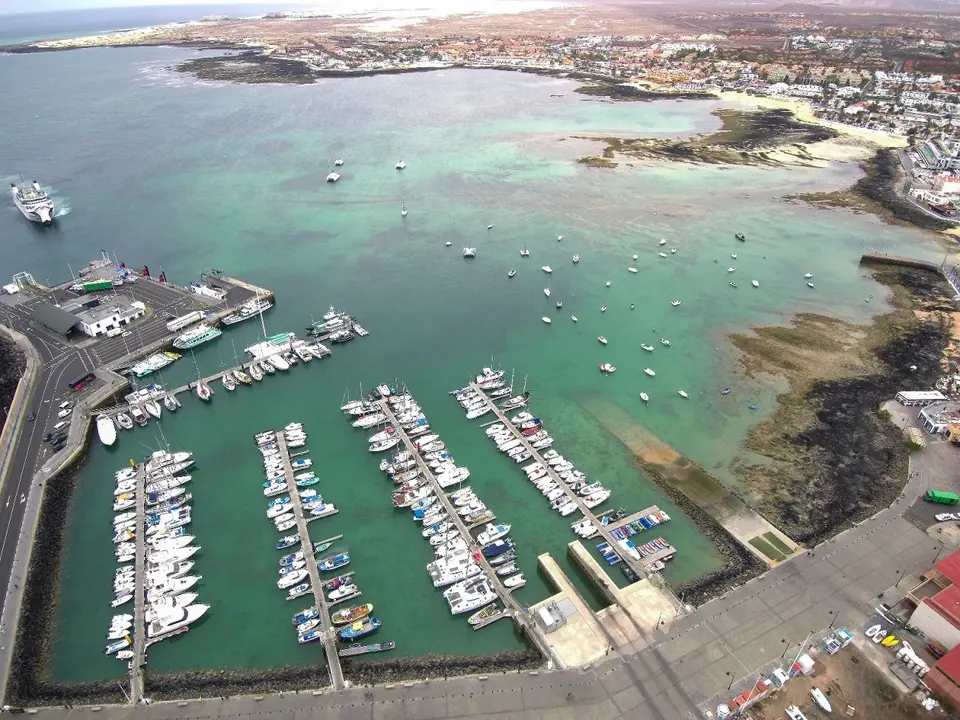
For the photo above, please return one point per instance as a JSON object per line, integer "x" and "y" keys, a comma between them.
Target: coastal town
{"x": 815, "y": 573}
{"x": 887, "y": 74}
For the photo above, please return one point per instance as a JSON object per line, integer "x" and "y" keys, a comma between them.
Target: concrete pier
{"x": 329, "y": 633}
{"x": 637, "y": 566}
{"x": 140, "y": 591}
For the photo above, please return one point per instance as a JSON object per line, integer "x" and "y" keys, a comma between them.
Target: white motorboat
{"x": 278, "y": 362}
{"x": 808, "y": 276}
{"x": 664, "y": 341}
{"x": 338, "y": 162}
{"x": 663, "y": 241}
{"x": 124, "y": 421}
{"x": 608, "y": 283}
{"x": 547, "y": 269}
{"x": 632, "y": 269}
{"x": 106, "y": 430}
{"x": 644, "y": 397}
{"x": 176, "y": 619}
{"x": 663, "y": 255}
{"x": 152, "y": 407}
{"x": 731, "y": 269}
{"x": 603, "y": 308}
{"x": 403, "y": 210}
{"x": 166, "y": 605}
{"x": 672, "y": 250}
{"x": 333, "y": 176}
{"x": 511, "y": 273}
{"x": 648, "y": 348}
{"x": 469, "y": 252}
{"x": 400, "y": 165}
{"x": 755, "y": 283}
{"x": 649, "y": 372}
{"x": 546, "y": 291}
{"x": 492, "y": 533}
{"x": 546, "y": 320}
{"x": 559, "y": 238}
{"x": 291, "y": 579}
{"x": 515, "y": 581}
{"x": 674, "y": 302}
{"x": 574, "y": 318}
{"x": 605, "y": 368}
{"x": 576, "y": 258}
{"x": 602, "y": 339}
{"x": 809, "y": 285}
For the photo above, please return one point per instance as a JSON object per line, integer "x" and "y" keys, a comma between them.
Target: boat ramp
{"x": 329, "y": 634}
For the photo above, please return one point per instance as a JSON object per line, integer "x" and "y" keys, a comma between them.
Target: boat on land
{"x": 106, "y": 430}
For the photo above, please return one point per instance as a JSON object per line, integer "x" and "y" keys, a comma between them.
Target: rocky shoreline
{"x": 746, "y": 138}
{"x": 831, "y": 458}
{"x": 12, "y": 365}
{"x": 877, "y": 192}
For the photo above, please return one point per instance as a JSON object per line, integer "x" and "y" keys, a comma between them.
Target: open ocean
{"x": 181, "y": 175}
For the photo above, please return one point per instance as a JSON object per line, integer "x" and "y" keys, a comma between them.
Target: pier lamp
{"x": 732, "y": 678}
{"x": 785, "y": 647}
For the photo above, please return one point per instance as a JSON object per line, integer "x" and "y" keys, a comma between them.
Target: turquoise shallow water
{"x": 157, "y": 168}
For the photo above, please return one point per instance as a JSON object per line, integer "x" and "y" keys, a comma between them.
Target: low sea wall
{"x": 875, "y": 258}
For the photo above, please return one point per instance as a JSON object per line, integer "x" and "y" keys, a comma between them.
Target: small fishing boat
{"x": 734, "y": 285}
{"x": 309, "y": 637}
{"x": 288, "y": 541}
{"x": 809, "y": 285}
{"x": 511, "y": 273}
{"x": 644, "y": 397}
{"x": 731, "y": 269}
{"x": 559, "y": 304}
{"x": 682, "y": 393}
{"x": 608, "y": 283}
{"x": 664, "y": 341}
{"x": 755, "y": 283}
{"x": 546, "y": 320}
{"x": 576, "y": 259}
{"x": 734, "y": 256}
{"x": 649, "y": 372}
{"x": 674, "y": 302}
{"x": 124, "y": 421}
{"x": 485, "y": 613}
{"x": 546, "y": 291}
{"x": 559, "y": 238}
{"x": 672, "y": 250}
{"x": 663, "y": 241}
{"x": 808, "y": 276}
{"x": 333, "y": 562}
{"x": 603, "y": 308}
{"x": 648, "y": 348}
{"x": 602, "y": 339}
{"x": 607, "y": 368}
{"x": 574, "y": 318}
{"x": 352, "y": 614}
{"x": 360, "y": 628}
{"x": 228, "y": 382}
{"x": 740, "y": 236}
{"x": 547, "y": 269}
{"x": 307, "y": 482}
{"x": 305, "y": 615}
{"x": 515, "y": 581}
{"x": 140, "y": 417}
{"x": 632, "y": 269}
{"x": 663, "y": 255}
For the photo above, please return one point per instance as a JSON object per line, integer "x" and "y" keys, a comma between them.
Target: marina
{"x": 327, "y": 634}
{"x": 561, "y": 490}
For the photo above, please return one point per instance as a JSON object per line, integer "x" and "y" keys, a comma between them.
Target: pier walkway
{"x": 637, "y": 566}
{"x": 140, "y": 591}
{"x": 329, "y": 634}
{"x": 513, "y": 608}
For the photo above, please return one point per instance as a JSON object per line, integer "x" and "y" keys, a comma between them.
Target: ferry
{"x": 33, "y": 202}
{"x": 196, "y": 336}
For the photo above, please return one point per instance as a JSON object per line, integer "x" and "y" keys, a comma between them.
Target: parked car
{"x": 32, "y": 416}
{"x": 64, "y": 413}
{"x": 66, "y": 404}
{"x": 944, "y": 517}
{"x": 47, "y": 436}
{"x": 60, "y": 425}
{"x": 58, "y": 447}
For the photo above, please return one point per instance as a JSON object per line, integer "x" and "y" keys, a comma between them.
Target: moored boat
{"x": 352, "y": 614}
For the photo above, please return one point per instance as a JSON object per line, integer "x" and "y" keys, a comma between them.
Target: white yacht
{"x": 33, "y": 202}
{"x": 165, "y": 606}
{"x": 547, "y": 269}
{"x": 333, "y": 177}
{"x": 400, "y": 165}
{"x": 338, "y": 162}
{"x": 469, "y": 252}
{"x": 546, "y": 291}
{"x": 469, "y": 595}
{"x": 106, "y": 430}
{"x": 176, "y": 619}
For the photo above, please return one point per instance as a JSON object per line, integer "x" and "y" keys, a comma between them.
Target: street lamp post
{"x": 785, "y": 647}
{"x": 732, "y": 678}
{"x": 902, "y": 573}
{"x": 937, "y": 556}
{"x": 833, "y": 619}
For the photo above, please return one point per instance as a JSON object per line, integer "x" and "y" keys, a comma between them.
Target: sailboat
{"x": 403, "y": 210}
{"x": 204, "y": 391}
{"x": 524, "y": 252}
